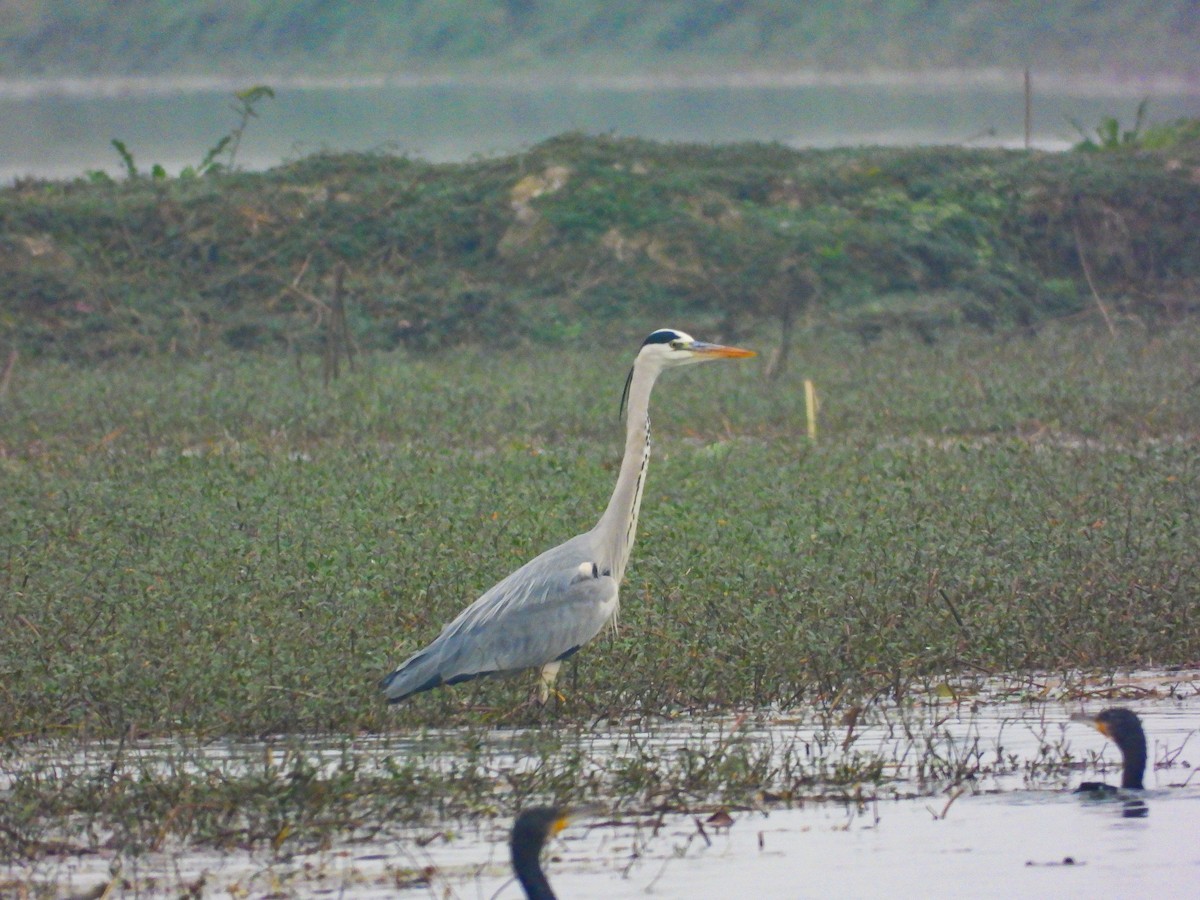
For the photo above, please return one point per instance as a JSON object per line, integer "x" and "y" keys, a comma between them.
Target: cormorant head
{"x": 1123, "y": 728}
{"x": 529, "y": 834}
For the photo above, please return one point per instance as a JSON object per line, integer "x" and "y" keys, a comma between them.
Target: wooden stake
{"x": 810, "y": 406}
{"x": 1028, "y": 110}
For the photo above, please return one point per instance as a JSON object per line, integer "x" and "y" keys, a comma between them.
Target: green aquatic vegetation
{"x": 293, "y": 794}
{"x": 230, "y": 546}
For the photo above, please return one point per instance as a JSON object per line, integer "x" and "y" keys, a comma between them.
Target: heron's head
{"x": 669, "y": 347}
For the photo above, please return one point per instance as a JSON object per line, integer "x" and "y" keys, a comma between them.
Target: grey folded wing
{"x": 533, "y": 617}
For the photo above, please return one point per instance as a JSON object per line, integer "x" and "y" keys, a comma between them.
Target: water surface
{"x": 1011, "y": 829}
{"x": 61, "y": 133}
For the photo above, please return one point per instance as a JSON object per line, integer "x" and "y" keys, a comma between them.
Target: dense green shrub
{"x": 595, "y": 232}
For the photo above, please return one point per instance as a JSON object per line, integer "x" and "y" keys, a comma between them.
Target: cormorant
{"x": 529, "y": 834}
{"x": 1123, "y": 728}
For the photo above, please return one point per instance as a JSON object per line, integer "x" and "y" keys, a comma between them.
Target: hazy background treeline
{"x": 1106, "y": 38}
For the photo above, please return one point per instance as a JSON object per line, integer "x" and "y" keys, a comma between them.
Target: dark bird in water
{"x": 1123, "y": 728}
{"x": 529, "y": 834}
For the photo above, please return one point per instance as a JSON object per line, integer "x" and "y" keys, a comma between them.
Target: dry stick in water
{"x": 958, "y": 792}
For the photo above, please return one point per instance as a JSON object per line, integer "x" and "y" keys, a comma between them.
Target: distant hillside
{"x": 1106, "y": 38}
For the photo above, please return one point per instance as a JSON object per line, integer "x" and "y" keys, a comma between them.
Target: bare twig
{"x": 1087, "y": 274}
{"x": 6, "y": 375}
{"x": 953, "y": 610}
{"x": 945, "y": 809}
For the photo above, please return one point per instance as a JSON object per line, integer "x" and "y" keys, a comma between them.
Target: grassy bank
{"x": 581, "y": 236}
{"x": 224, "y": 546}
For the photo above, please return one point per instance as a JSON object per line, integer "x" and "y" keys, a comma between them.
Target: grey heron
{"x": 546, "y": 610}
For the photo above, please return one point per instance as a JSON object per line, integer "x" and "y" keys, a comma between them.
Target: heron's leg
{"x": 546, "y": 681}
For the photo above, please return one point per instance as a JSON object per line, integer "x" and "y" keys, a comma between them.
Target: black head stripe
{"x": 625, "y": 394}
{"x": 662, "y": 336}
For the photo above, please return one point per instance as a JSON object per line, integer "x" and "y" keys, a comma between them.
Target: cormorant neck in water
{"x": 529, "y": 834}
{"x": 1123, "y": 728}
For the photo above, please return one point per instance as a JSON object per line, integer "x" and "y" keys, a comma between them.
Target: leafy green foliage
{"x": 1109, "y": 136}
{"x": 227, "y": 145}
{"x": 597, "y": 234}
{"x": 1180, "y": 133}
{"x": 224, "y": 546}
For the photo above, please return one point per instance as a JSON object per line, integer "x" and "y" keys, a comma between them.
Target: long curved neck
{"x": 530, "y": 874}
{"x": 618, "y": 526}
{"x": 1135, "y": 765}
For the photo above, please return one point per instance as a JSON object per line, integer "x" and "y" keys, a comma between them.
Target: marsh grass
{"x": 226, "y": 547}
{"x": 292, "y": 794}
{"x": 584, "y": 234}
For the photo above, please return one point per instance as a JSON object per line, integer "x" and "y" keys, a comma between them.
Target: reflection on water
{"x": 63, "y": 135}
{"x": 1134, "y": 809}
{"x": 1012, "y": 828}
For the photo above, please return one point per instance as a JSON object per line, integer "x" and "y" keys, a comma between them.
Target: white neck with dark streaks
{"x": 618, "y": 526}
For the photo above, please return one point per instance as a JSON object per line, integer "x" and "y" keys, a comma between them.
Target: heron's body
{"x": 554, "y": 604}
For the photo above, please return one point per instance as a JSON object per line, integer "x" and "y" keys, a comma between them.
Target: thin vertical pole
{"x": 1028, "y": 110}
{"x": 810, "y": 406}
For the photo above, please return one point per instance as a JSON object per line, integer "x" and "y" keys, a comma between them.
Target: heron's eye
{"x": 676, "y": 345}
